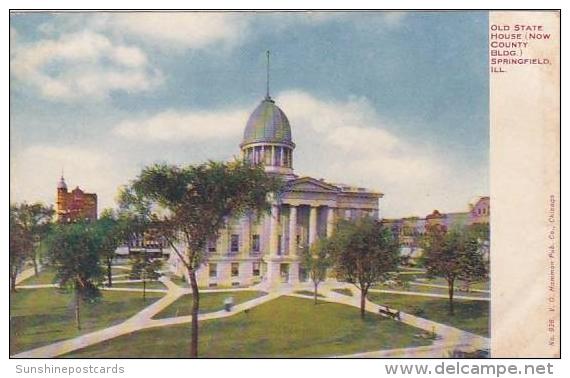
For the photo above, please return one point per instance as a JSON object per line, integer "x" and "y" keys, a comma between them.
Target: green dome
{"x": 267, "y": 123}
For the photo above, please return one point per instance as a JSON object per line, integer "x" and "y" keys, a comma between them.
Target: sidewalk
{"x": 27, "y": 273}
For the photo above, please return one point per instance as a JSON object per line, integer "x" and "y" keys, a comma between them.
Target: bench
{"x": 383, "y": 310}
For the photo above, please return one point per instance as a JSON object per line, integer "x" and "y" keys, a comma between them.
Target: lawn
{"x": 441, "y": 291}
{"x": 45, "y": 276}
{"x": 43, "y": 316}
{"x": 284, "y": 327}
{"x": 431, "y": 290}
{"x": 209, "y": 302}
{"x": 309, "y": 293}
{"x": 139, "y": 285}
{"x": 472, "y": 316}
{"x": 178, "y": 280}
{"x": 440, "y": 281}
{"x": 347, "y": 292}
{"x": 116, "y": 270}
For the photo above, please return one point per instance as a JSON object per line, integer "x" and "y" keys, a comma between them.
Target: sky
{"x": 397, "y": 102}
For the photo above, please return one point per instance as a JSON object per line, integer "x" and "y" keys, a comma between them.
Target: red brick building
{"x": 74, "y": 205}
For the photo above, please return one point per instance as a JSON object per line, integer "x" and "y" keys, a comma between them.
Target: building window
{"x": 255, "y": 243}
{"x": 279, "y": 245}
{"x": 284, "y": 272}
{"x": 235, "y": 269}
{"x": 213, "y": 270}
{"x": 234, "y": 243}
{"x": 212, "y": 246}
{"x": 256, "y": 269}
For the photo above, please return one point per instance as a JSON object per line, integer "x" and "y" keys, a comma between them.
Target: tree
{"x": 189, "y": 205}
{"x": 365, "y": 251}
{"x": 74, "y": 253}
{"x": 316, "y": 261}
{"x": 34, "y": 221}
{"x": 144, "y": 269}
{"x": 453, "y": 255}
{"x": 20, "y": 247}
{"x": 112, "y": 231}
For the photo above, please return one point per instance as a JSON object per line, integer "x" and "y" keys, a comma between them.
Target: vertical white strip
{"x": 525, "y": 157}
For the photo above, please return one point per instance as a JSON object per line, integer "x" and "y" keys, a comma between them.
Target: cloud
{"x": 353, "y": 146}
{"x": 82, "y": 66}
{"x": 184, "y": 126}
{"x": 196, "y": 30}
{"x": 35, "y": 172}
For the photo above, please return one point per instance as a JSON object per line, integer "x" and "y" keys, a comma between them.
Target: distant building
{"x": 410, "y": 230}
{"x": 74, "y": 205}
{"x": 148, "y": 243}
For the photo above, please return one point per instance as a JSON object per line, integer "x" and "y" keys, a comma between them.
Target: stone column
{"x": 273, "y": 231}
{"x": 246, "y": 235}
{"x": 313, "y": 225}
{"x": 330, "y": 221}
{"x": 293, "y": 231}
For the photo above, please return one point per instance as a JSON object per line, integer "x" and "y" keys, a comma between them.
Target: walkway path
{"x": 26, "y": 273}
{"x": 450, "y": 338}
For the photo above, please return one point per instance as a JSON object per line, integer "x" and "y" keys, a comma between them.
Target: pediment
{"x": 309, "y": 184}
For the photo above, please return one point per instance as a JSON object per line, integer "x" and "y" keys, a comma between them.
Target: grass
{"x": 343, "y": 291}
{"x": 42, "y": 316}
{"x": 116, "y": 271}
{"x": 442, "y": 291}
{"x": 285, "y": 327}
{"x": 45, "y": 276}
{"x": 440, "y": 281}
{"x": 431, "y": 290}
{"x": 309, "y": 293}
{"x": 472, "y": 316}
{"x": 209, "y": 302}
{"x": 139, "y": 285}
{"x": 179, "y": 281}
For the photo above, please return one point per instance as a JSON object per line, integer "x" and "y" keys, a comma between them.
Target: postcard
{"x": 271, "y": 184}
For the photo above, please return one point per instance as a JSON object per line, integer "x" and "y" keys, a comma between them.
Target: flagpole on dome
{"x": 267, "y": 97}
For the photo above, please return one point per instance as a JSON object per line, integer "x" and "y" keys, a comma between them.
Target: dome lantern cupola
{"x": 61, "y": 184}
{"x": 267, "y": 137}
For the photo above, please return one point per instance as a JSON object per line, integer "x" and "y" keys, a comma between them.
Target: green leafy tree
{"x": 365, "y": 252}
{"x": 21, "y": 245}
{"x": 113, "y": 230}
{"x": 145, "y": 269}
{"x": 454, "y": 255}
{"x": 189, "y": 205}
{"x": 35, "y": 221}
{"x": 316, "y": 261}
{"x": 74, "y": 253}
